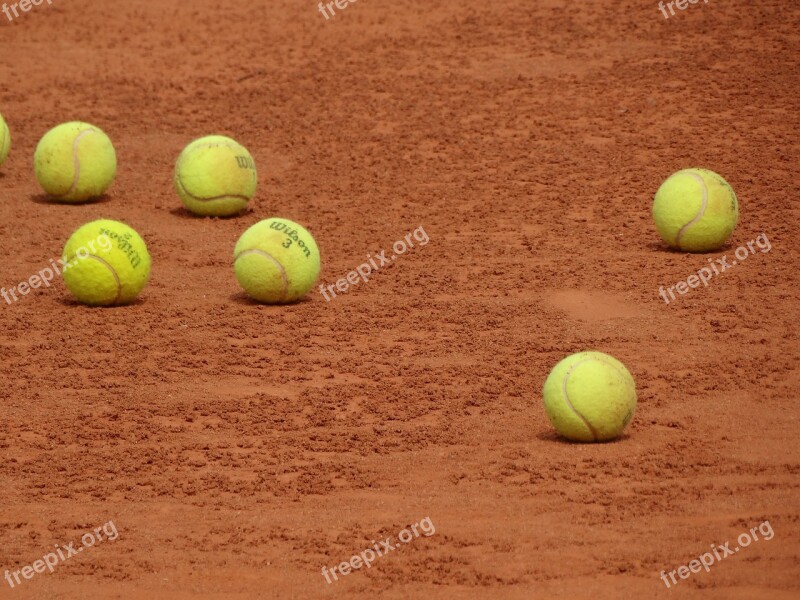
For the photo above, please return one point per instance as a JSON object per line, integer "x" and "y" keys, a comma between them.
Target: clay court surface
{"x": 239, "y": 448}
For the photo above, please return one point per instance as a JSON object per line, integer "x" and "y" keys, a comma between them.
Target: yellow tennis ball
{"x": 276, "y": 261}
{"x": 5, "y": 140}
{"x": 590, "y": 397}
{"x": 215, "y": 176}
{"x": 105, "y": 263}
{"x": 695, "y": 210}
{"x": 75, "y": 162}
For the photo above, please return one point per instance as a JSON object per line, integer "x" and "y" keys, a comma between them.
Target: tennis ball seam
{"x": 199, "y": 198}
{"x": 284, "y": 277}
{"x": 703, "y": 207}
{"x": 3, "y": 132}
{"x": 564, "y": 381}
{"x": 76, "y": 161}
{"x": 107, "y": 265}
{"x": 585, "y": 421}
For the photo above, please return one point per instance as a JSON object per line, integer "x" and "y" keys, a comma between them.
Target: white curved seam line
{"x": 285, "y": 279}
{"x": 700, "y": 214}
{"x": 76, "y": 161}
{"x": 242, "y": 197}
{"x": 199, "y": 198}
{"x": 569, "y": 402}
{"x": 107, "y": 264}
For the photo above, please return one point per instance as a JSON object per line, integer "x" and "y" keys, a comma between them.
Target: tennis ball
{"x": 75, "y": 162}
{"x": 590, "y": 397}
{"x": 215, "y": 176}
{"x": 105, "y": 263}
{"x": 5, "y": 140}
{"x": 276, "y": 261}
{"x": 695, "y": 210}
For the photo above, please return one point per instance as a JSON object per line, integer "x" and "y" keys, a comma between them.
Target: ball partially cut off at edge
{"x": 75, "y": 162}
{"x": 590, "y": 397}
{"x": 276, "y": 261}
{"x": 105, "y": 263}
{"x": 695, "y": 210}
{"x": 5, "y": 140}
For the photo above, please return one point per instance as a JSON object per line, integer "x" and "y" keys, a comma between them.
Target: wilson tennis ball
{"x": 590, "y": 397}
{"x": 695, "y": 210}
{"x": 215, "y": 176}
{"x": 106, "y": 263}
{"x": 5, "y": 140}
{"x": 75, "y": 162}
{"x": 276, "y": 261}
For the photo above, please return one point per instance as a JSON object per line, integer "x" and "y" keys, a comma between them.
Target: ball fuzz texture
{"x": 5, "y": 140}
{"x": 75, "y": 162}
{"x": 590, "y": 397}
{"x": 276, "y": 261}
{"x": 215, "y": 176}
{"x": 695, "y": 210}
{"x": 106, "y": 263}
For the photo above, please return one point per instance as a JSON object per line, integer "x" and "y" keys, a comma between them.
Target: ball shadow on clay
{"x": 184, "y": 213}
{"x": 554, "y": 438}
{"x": 245, "y": 300}
{"x": 46, "y": 199}
{"x": 74, "y": 302}
{"x": 663, "y": 248}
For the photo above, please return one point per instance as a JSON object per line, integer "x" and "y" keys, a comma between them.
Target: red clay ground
{"x": 239, "y": 448}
